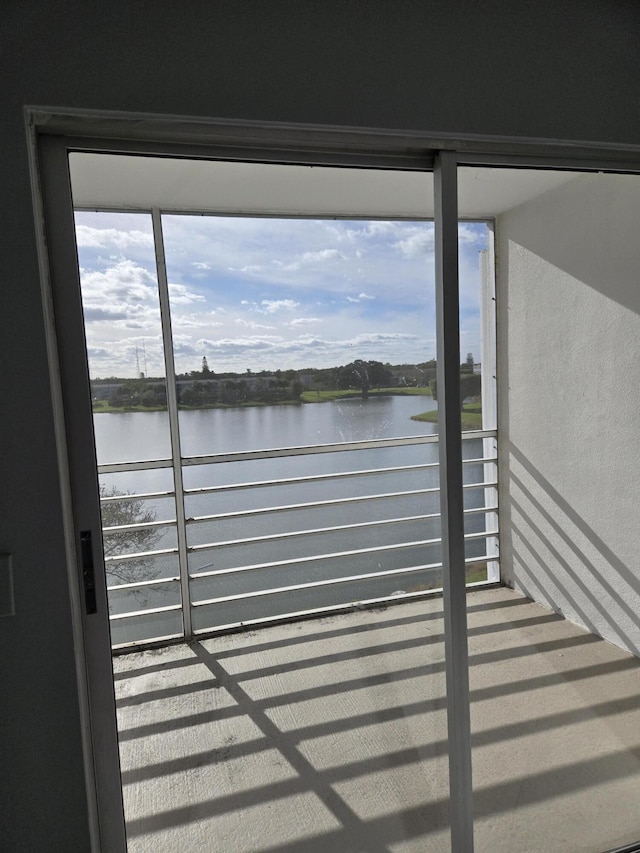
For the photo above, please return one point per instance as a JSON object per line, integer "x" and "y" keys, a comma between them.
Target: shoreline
{"x": 313, "y": 397}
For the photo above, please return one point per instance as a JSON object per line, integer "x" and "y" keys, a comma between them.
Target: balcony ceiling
{"x": 204, "y": 186}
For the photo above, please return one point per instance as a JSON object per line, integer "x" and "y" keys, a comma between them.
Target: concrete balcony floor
{"x": 330, "y": 735}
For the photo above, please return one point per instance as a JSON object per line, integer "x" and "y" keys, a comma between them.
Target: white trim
{"x": 264, "y": 142}
{"x": 65, "y": 492}
{"x": 452, "y": 502}
{"x": 92, "y": 644}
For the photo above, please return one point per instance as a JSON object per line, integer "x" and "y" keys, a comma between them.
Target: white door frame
{"x": 51, "y": 135}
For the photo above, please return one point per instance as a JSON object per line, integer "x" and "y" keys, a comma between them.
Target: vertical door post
{"x": 174, "y": 425}
{"x": 451, "y": 500}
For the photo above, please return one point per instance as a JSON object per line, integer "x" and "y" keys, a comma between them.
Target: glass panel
{"x": 126, "y": 366}
{"x": 146, "y": 627}
{"x": 124, "y": 338}
{"x": 129, "y": 600}
{"x": 555, "y": 713}
{"x": 295, "y": 332}
{"x": 286, "y": 333}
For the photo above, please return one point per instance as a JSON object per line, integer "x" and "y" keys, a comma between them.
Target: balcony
{"x": 331, "y": 734}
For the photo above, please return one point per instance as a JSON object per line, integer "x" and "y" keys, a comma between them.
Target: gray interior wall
{"x": 539, "y": 69}
{"x": 569, "y": 303}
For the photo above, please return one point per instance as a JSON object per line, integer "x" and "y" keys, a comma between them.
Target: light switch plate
{"x": 7, "y": 603}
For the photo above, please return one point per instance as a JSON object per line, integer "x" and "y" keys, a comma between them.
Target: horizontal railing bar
{"x": 339, "y": 447}
{"x": 244, "y": 513}
{"x": 307, "y": 450}
{"x": 150, "y": 643}
{"x": 328, "y": 582}
{"x": 148, "y": 611}
{"x": 311, "y": 612}
{"x": 119, "y": 558}
{"x": 146, "y": 496}
{"x": 311, "y": 478}
{"x": 139, "y": 584}
{"x": 142, "y": 496}
{"x": 124, "y": 528}
{"x": 420, "y": 543}
{"x": 141, "y": 525}
{"x": 258, "y": 593}
{"x": 329, "y": 608}
{"x": 294, "y": 534}
{"x": 306, "y": 559}
{"x": 247, "y": 513}
{"x": 258, "y": 484}
{"x": 141, "y": 465}
{"x": 470, "y": 561}
{"x": 389, "y": 572}
{"x": 247, "y": 455}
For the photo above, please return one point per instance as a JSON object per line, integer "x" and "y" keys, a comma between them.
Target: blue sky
{"x": 262, "y": 294}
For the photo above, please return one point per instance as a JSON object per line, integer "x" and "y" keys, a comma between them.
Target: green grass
{"x": 103, "y": 406}
{"x": 324, "y": 396}
{"x": 475, "y": 573}
{"x": 471, "y": 416}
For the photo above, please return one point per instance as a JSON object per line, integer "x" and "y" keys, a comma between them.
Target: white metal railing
{"x": 151, "y": 608}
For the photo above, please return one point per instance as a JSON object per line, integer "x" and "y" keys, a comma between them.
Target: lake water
{"x": 129, "y": 436}
{"x": 145, "y": 435}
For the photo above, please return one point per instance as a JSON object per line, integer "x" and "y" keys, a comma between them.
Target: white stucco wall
{"x": 569, "y": 379}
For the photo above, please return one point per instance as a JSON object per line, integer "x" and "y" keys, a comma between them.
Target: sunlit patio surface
{"x": 330, "y": 735}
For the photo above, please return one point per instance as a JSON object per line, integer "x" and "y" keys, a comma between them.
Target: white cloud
{"x": 238, "y": 274}
{"x": 194, "y": 321}
{"x": 99, "y": 238}
{"x": 123, "y": 293}
{"x": 181, "y": 295}
{"x": 249, "y": 325}
{"x": 271, "y": 306}
{"x": 360, "y": 297}
{"x": 95, "y": 314}
{"x": 305, "y": 321}
{"x": 252, "y": 268}
{"x": 421, "y": 242}
{"x": 466, "y": 234}
{"x": 382, "y": 228}
{"x": 306, "y": 259}
{"x": 322, "y": 255}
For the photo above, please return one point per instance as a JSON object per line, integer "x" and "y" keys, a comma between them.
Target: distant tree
{"x": 296, "y": 388}
{"x": 467, "y": 367}
{"x": 188, "y": 397}
{"x": 379, "y": 374}
{"x": 470, "y": 386}
{"x": 134, "y": 540}
{"x": 355, "y": 375}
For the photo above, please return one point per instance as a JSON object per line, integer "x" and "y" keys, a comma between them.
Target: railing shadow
{"x": 356, "y": 703}
{"x": 604, "y": 597}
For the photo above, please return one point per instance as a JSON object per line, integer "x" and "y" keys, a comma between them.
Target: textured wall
{"x": 569, "y": 314}
{"x": 543, "y": 69}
